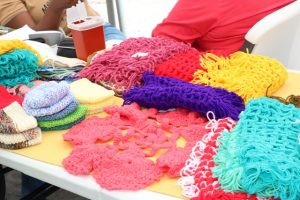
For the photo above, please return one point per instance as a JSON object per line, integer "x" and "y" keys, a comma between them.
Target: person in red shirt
{"x": 219, "y": 25}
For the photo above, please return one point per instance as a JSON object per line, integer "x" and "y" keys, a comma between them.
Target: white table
{"x": 84, "y": 186}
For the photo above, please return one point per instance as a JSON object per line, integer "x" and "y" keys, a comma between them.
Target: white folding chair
{"x": 278, "y": 36}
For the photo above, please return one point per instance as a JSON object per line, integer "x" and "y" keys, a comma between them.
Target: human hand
{"x": 63, "y": 4}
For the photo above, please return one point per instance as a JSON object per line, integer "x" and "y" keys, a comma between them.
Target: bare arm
{"x": 50, "y": 21}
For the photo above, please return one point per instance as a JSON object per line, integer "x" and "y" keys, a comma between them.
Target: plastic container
{"x": 87, "y": 31}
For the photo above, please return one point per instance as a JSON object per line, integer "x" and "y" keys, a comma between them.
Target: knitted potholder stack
{"x": 181, "y": 66}
{"x": 91, "y": 95}
{"x": 248, "y": 75}
{"x": 261, "y": 154}
{"x": 17, "y": 129}
{"x": 54, "y": 106}
{"x": 18, "y": 63}
{"x": 166, "y": 93}
{"x": 123, "y": 66}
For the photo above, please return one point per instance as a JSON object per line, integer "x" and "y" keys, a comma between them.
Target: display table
{"x": 43, "y": 161}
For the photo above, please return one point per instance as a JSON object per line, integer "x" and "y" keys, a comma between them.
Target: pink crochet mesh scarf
{"x": 136, "y": 134}
{"x": 124, "y": 65}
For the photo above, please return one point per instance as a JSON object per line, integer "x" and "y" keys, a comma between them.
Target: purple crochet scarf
{"x": 165, "y": 93}
{"x": 125, "y": 64}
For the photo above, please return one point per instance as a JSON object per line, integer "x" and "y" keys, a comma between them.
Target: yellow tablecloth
{"x": 53, "y": 149}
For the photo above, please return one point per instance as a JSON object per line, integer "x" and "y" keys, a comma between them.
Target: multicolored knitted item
{"x": 46, "y": 94}
{"x": 69, "y": 119}
{"x": 9, "y": 45}
{"x": 87, "y": 92}
{"x": 248, "y": 75}
{"x": 61, "y": 114}
{"x": 13, "y": 119}
{"x": 20, "y": 140}
{"x": 164, "y": 93}
{"x": 22, "y": 89}
{"x": 50, "y": 73}
{"x": 181, "y": 66}
{"x": 196, "y": 179}
{"x": 126, "y": 62}
{"x": 7, "y": 98}
{"x": 18, "y": 67}
{"x": 261, "y": 154}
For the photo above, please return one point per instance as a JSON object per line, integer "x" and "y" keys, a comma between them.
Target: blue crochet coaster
{"x": 61, "y": 114}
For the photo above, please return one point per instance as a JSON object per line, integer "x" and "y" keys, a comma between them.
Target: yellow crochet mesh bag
{"x": 9, "y": 45}
{"x": 248, "y": 75}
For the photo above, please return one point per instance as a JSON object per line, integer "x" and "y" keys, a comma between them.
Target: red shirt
{"x": 215, "y": 24}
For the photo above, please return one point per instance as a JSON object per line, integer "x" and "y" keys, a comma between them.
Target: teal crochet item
{"x": 18, "y": 67}
{"x": 261, "y": 154}
{"x": 65, "y": 126}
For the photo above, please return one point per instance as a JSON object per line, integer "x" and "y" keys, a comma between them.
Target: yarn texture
{"x": 165, "y": 93}
{"x": 261, "y": 154}
{"x": 124, "y": 65}
{"x": 248, "y": 75}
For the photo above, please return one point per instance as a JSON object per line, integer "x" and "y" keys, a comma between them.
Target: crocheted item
{"x": 126, "y": 62}
{"x": 43, "y": 111}
{"x": 99, "y": 107}
{"x": 20, "y": 140}
{"x": 128, "y": 170}
{"x": 196, "y": 179}
{"x": 50, "y": 73}
{"x": 14, "y": 119}
{"x": 261, "y": 155}
{"x": 61, "y": 114}
{"x": 7, "y": 99}
{"x": 21, "y": 89}
{"x": 74, "y": 116}
{"x": 130, "y": 126}
{"x": 181, "y": 66}
{"x": 18, "y": 67}
{"x": 46, "y": 94}
{"x": 248, "y": 75}
{"x": 81, "y": 159}
{"x": 65, "y": 126}
{"x": 87, "y": 92}
{"x": 9, "y": 45}
{"x": 165, "y": 93}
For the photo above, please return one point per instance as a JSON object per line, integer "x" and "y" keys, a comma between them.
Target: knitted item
{"x": 18, "y": 67}
{"x": 248, "y": 75}
{"x": 128, "y": 170}
{"x": 181, "y": 66}
{"x": 61, "y": 114}
{"x": 46, "y": 95}
{"x": 125, "y": 63}
{"x": 65, "y": 126}
{"x": 20, "y": 140}
{"x": 87, "y": 92}
{"x": 99, "y": 107}
{"x": 9, "y": 45}
{"x": 74, "y": 116}
{"x": 196, "y": 179}
{"x": 63, "y": 62}
{"x": 55, "y": 108}
{"x": 261, "y": 154}
{"x": 7, "y": 99}
{"x": 143, "y": 131}
{"x": 164, "y": 93}
{"x": 50, "y": 73}
{"x": 22, "y": 89}
{"x": 14, "y": 119}
{"x": 80, "y": 161}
